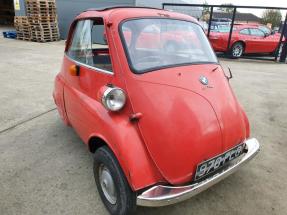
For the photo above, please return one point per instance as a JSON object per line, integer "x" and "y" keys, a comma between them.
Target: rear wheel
{"x": 112, "y": 185}
{"x": 237, "y": 50}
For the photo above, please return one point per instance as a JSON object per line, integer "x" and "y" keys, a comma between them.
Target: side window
{"x": 245, "y": 31}
{"x": 89, "y": 45}
{"x": 256, "y": 32}
{"x": 81, "y": 47}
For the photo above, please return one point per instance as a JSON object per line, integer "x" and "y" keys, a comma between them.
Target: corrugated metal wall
{"x": 192, "y": 11}
{"x": 68, "y": 9}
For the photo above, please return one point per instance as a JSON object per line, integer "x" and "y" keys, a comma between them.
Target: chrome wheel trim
{"x": 237, "y": 50}
{"x": 107, "y": 184}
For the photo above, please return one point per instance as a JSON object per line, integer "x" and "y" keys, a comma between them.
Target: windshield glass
{"x": 266, "y": 30}
{"x": 157, "y": 43}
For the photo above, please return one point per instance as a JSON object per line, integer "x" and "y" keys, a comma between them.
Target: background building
{"x": 240, "y": 17}
{"x": 68, "y": 9}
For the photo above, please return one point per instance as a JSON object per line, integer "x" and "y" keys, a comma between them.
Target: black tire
{"x": 125, "y": 198}
{"x": 236, "y": 50}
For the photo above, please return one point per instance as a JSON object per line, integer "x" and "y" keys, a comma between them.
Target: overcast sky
{"x": 271, "y": 3}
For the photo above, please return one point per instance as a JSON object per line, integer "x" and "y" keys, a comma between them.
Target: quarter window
{"x": 89, "y": 45}
{"x": 244, "y": 31}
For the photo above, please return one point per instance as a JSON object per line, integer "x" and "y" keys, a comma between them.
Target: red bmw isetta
{"x": 144, "y": 90}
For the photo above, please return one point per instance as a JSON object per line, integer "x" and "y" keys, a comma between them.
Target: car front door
{"x": 88, "y": 54}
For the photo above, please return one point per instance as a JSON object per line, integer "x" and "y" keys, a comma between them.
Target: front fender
{"x": 246, "y": 121}
{"x": 136, "y": 163}
{"x": 123, "y": 138}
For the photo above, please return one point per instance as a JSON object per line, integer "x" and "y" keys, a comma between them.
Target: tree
{"x": 226, "y": 9}
{"x": 272, "y": 16}
{"x": 205, "y": 12}
{"x": 205, "y": 8}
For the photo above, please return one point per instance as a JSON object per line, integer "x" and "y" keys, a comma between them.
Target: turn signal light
{"x": 74, "y": 70}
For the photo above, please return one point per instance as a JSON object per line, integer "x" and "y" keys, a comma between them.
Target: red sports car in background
{"x": 246, "y": 39}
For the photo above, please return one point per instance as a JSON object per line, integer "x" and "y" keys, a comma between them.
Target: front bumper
{"x": 161, "y": 195}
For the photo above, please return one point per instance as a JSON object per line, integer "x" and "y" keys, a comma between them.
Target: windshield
{"x": 158, "y": 43}
{"x": 266, "y": 30}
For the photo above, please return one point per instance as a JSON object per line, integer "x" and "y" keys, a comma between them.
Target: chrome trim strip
{"x": 90, "y": 67}
{"x": 161, "y": 195}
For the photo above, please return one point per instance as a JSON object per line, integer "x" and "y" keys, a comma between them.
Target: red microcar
{"x": 163, "y": 123}
{"x": 246, "y": 39}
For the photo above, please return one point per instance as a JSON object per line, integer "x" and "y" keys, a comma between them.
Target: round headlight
{"x": 114, "y": 98}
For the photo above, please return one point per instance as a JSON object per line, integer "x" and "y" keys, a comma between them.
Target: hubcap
{"x": 237, "y": 51}
{"x": 107, "y": 184}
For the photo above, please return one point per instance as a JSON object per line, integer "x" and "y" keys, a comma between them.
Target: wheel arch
{"x": 240, "y": 41}
{"x": 96, "y": 142}
{"x": 230, "y": 51}
{"x": 133, "y": 158}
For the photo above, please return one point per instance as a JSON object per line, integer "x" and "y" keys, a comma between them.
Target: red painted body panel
{"x": 58, "y": 96}
{"x": 253, "y": 44}
{"x": 183, "y": 122}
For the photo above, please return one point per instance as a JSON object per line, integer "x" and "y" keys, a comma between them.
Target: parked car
{"x": 163, "y": 125}
{"x": 246, "y": 39}
{"x": 218, "y": 22}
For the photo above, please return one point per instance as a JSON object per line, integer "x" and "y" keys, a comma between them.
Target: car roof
{"x": 243, "y": 26}
{"x": 248, "y": 25}
{"x": 117, "y": 7}
{"x": 118, "y": 13}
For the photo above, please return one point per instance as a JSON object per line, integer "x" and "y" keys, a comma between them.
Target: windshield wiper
{"x": 213, "y": 70}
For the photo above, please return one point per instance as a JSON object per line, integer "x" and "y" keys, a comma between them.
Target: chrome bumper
{"x": 161, "y": 195}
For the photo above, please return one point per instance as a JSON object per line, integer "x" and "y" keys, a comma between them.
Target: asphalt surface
{"x": 46, "y": 169}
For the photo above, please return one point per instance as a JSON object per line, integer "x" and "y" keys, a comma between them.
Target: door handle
{"x": 74, "y": 70}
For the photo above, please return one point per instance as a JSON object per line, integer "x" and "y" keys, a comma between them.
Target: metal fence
{"x": 234, "y": 11}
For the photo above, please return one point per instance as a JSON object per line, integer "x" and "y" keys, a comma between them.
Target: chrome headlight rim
{"x": 107, "y": 93}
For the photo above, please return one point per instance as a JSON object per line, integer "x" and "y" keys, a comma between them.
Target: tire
{"x": 236, "y": 50}
{"x": 112, "y": 184}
